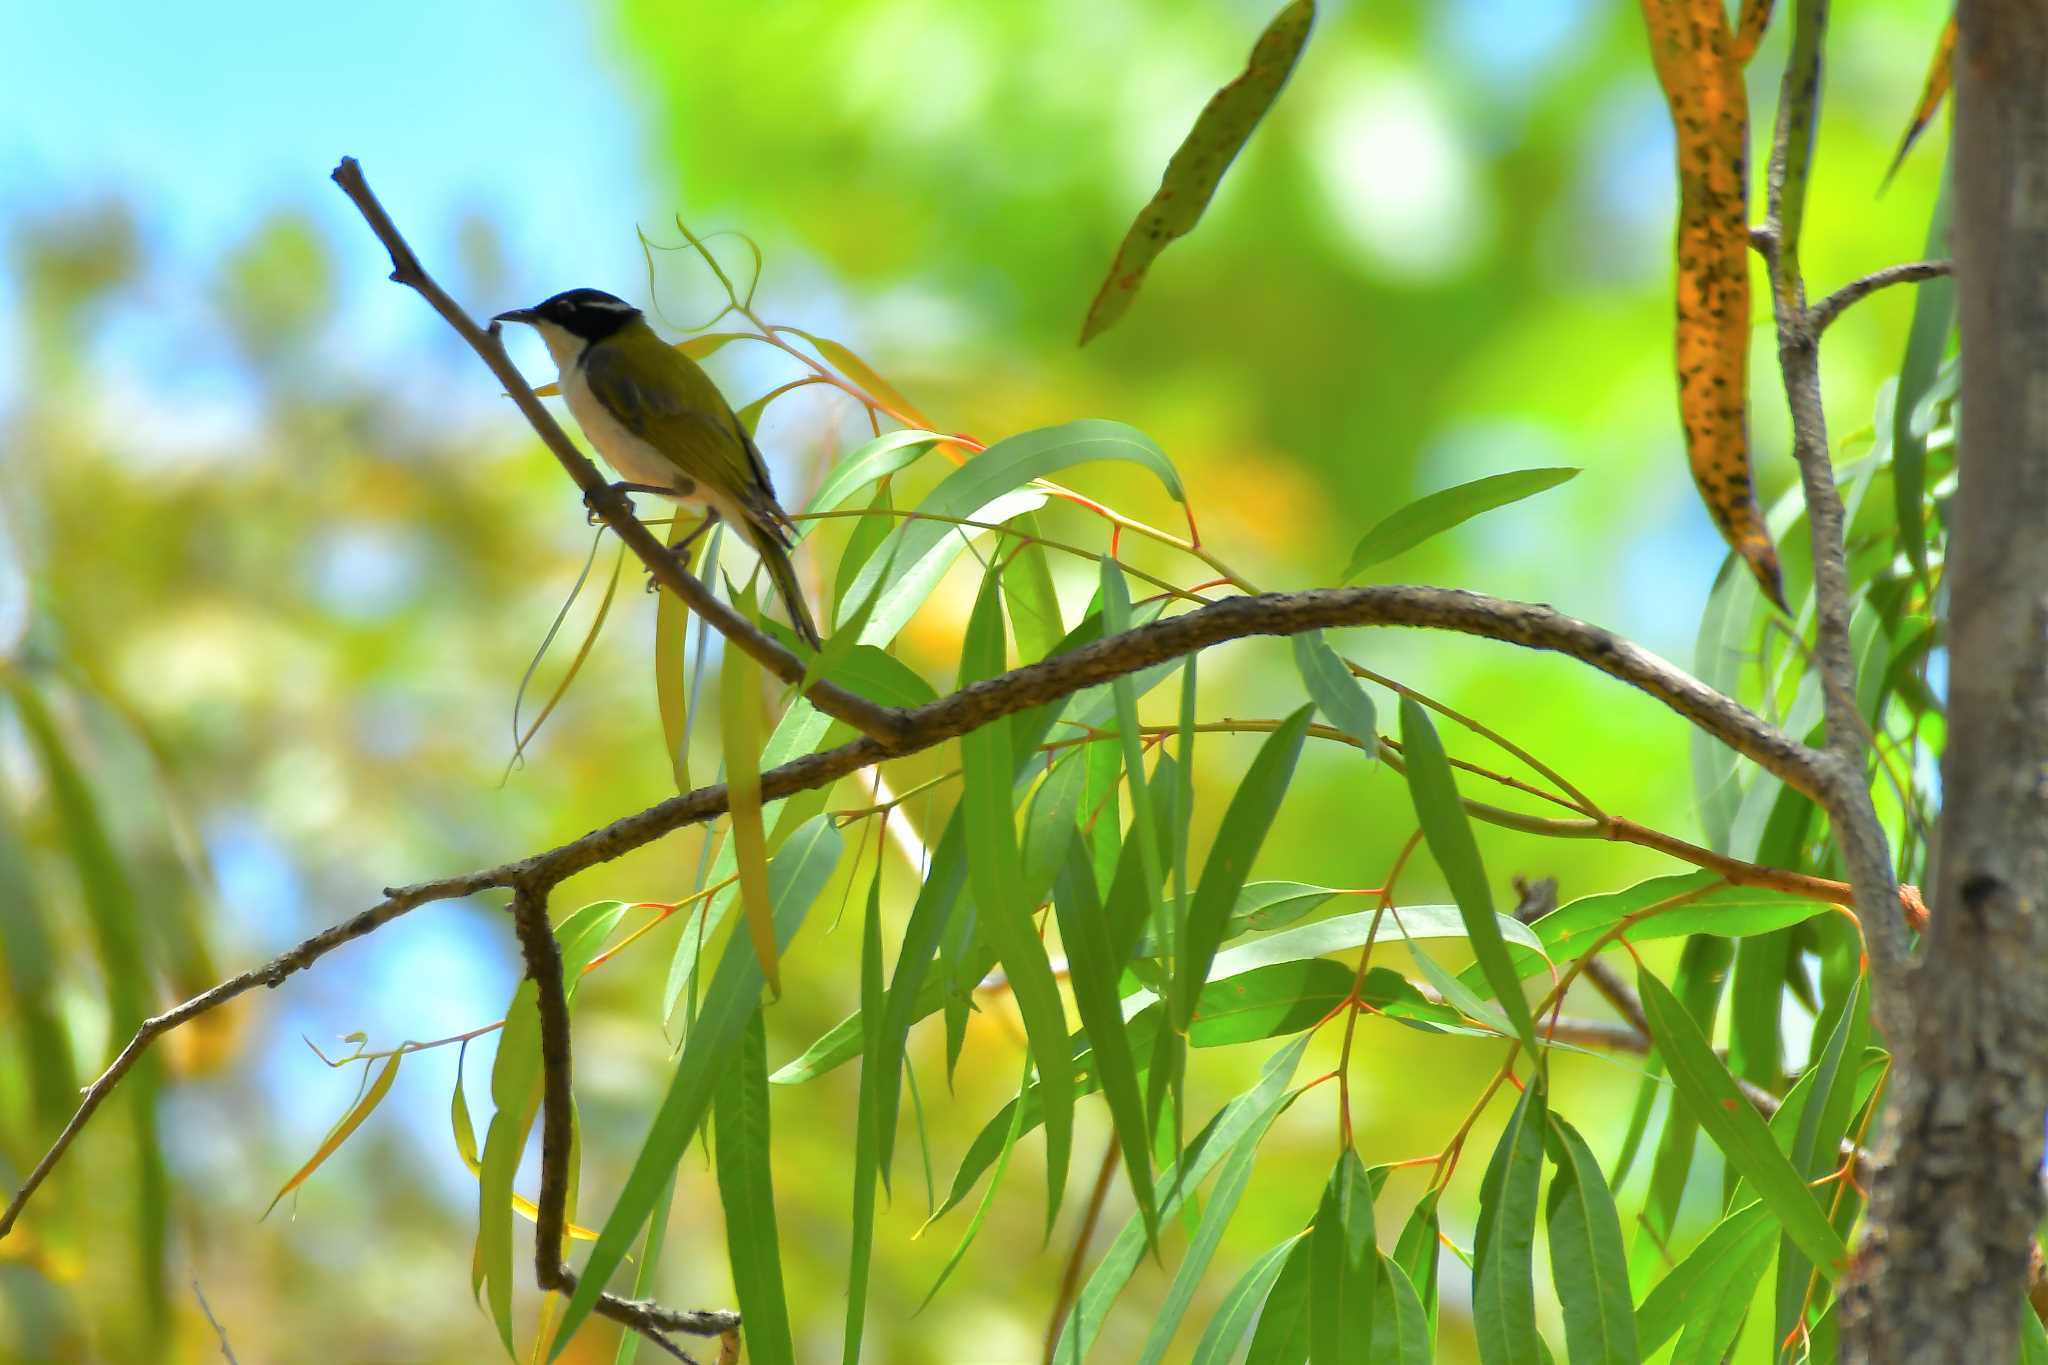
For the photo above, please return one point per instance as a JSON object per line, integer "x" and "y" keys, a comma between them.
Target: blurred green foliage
{"x": 282, "y": 597}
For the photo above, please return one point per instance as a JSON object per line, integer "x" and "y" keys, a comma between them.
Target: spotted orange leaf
{"x": 1699, "y": 64}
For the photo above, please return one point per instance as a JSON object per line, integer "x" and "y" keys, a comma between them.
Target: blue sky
{"x": 204, "y": 116}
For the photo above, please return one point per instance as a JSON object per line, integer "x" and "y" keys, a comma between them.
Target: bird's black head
{"x": 590, "y": 314}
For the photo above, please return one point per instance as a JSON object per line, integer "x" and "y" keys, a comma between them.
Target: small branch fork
{"x": 1844, "y": 793}
{"x": 888, "y": 732}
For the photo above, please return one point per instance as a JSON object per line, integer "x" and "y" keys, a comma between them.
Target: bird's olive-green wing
{"x": 661, "y": 396}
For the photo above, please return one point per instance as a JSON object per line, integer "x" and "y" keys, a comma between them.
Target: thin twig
{"x": 1828, "y": 309}
{"x": 1070, "y": 1278}
{"x": 227, "y": 1351}
{"x": 1844, "y": 794}
{"x": 614, "y": 508}
{"x": 1532, "y": 626}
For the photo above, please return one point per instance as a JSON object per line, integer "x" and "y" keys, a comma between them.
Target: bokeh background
{"x": 275, "y": 556}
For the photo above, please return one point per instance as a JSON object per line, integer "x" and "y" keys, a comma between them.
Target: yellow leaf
{"x": 339, "y": 1134}
{"x": 1940, "y": 72}
{"x": 739, "y": 698}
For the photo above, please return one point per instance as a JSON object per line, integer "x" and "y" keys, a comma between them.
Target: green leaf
{"x": 1435, "y": 794}
{"x": 1092, "y": 972}
{"x": 1268, "y": 1002}
{"x": 865, "y": 1155}
{"x": 1341, "y": 933}
{"x": 1274, "y": 905}
{"x": 987, "y": 488}
{"x": 1816, "y": 1145}
{"x": 1282, "y": 1334}
{"x": 1706, "y": 1282}
{"x": 996, "y": 874}
{"x": 795, "y": 879}
{"x": 28, "y": 952}
{"x": 1705, "y": 904}
{"x": 881, "y": 677}
{"x": 1503, "y": 1257}
{"x": 1010, "y": 1137}
{"x": 1245, "y": 823}
{"x": 1934, "y": 315}
{"x": 1235, "y": 1174}
{"x": 1717, "y": 1104}
{"x": 1116, "y": 615}
{"x": 1343, "y": 1266}
{"x": 1028, "y": 592}
{"x": 1243, "y": 1121}
{"x": 862, "y": 541}
{"x": 747, "y": 1194}
{"x": 1588, "y": 1265}
{"x": 1337, "y": 694}
{"x": 877, "y": 459}
{"x": 515, "y": 1096}
{"x": 1440, "y": 511}
{"x": 1416, "y": 1254}
{"x": 1219, "y": 134}
{"x": 1400, "y": 1326}
{"x": 2033, "y": 1337}
{"x": 1240, "y": 1307}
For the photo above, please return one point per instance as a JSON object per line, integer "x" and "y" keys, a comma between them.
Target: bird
{"x": 658, "y": 420}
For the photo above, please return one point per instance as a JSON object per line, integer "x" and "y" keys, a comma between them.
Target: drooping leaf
{"x": 973, "y": 1231}
{"x": 1400, "y": 1325}
{"x": 1503, "y": 1247}
{"x": 866, "y": 1158}
{"x": 1219, "y": 134}
{"x": 1343, "y": 1268}
{"x": 1245, "y": 823}
{"x": 1093, "y": 970}
{"x": 1281, "y": 1337}
{"x": 1434, "y": 513}
{"x": 365, "y": 1105}
{"x": 739, "y": 719}
{"x": 747, "y": 1194}
{"x": 1718, "y": 1106}
{"x": 843, "y": 359}
{"x": 1588, "y": 1265}
{"x": 1934, "y": 315}
{"x": 996, "y": 875}
{"x": 1701, "y": 73}
{"x": 1435, "y": 795}
{"x": 889, "y": 453}
{"x": 1712, "y": 1284}
{"x": 1241, "y": 1122}
{"x": 1240, "y": 1307}
{"x": 1339, "y": 696}
{"x": 1235, "y": 1174}
{"x": 795, "y": 879}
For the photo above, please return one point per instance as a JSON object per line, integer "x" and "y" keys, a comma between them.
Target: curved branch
{"x": 610, "y": 505}
{"x": 1531, "y": 625}
{"x": 1855, "y": 291}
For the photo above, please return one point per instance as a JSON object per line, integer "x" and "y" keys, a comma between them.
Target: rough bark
{"x": 1943, "y": 1269}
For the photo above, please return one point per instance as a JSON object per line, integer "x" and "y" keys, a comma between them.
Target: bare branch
{"x": 613, "y": 507}
{"x": 1530, "y": 625}
{"x": 1844, "y": 794}
{"x": 1828, "y": 309}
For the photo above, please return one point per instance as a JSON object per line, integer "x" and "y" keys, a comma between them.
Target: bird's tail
{"x": 776, "y": 560}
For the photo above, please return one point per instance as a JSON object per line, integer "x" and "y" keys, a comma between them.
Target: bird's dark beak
{"x": 517, "y": 315}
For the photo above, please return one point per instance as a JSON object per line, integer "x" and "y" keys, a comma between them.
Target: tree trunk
{"x": 1943, "y": 1267}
